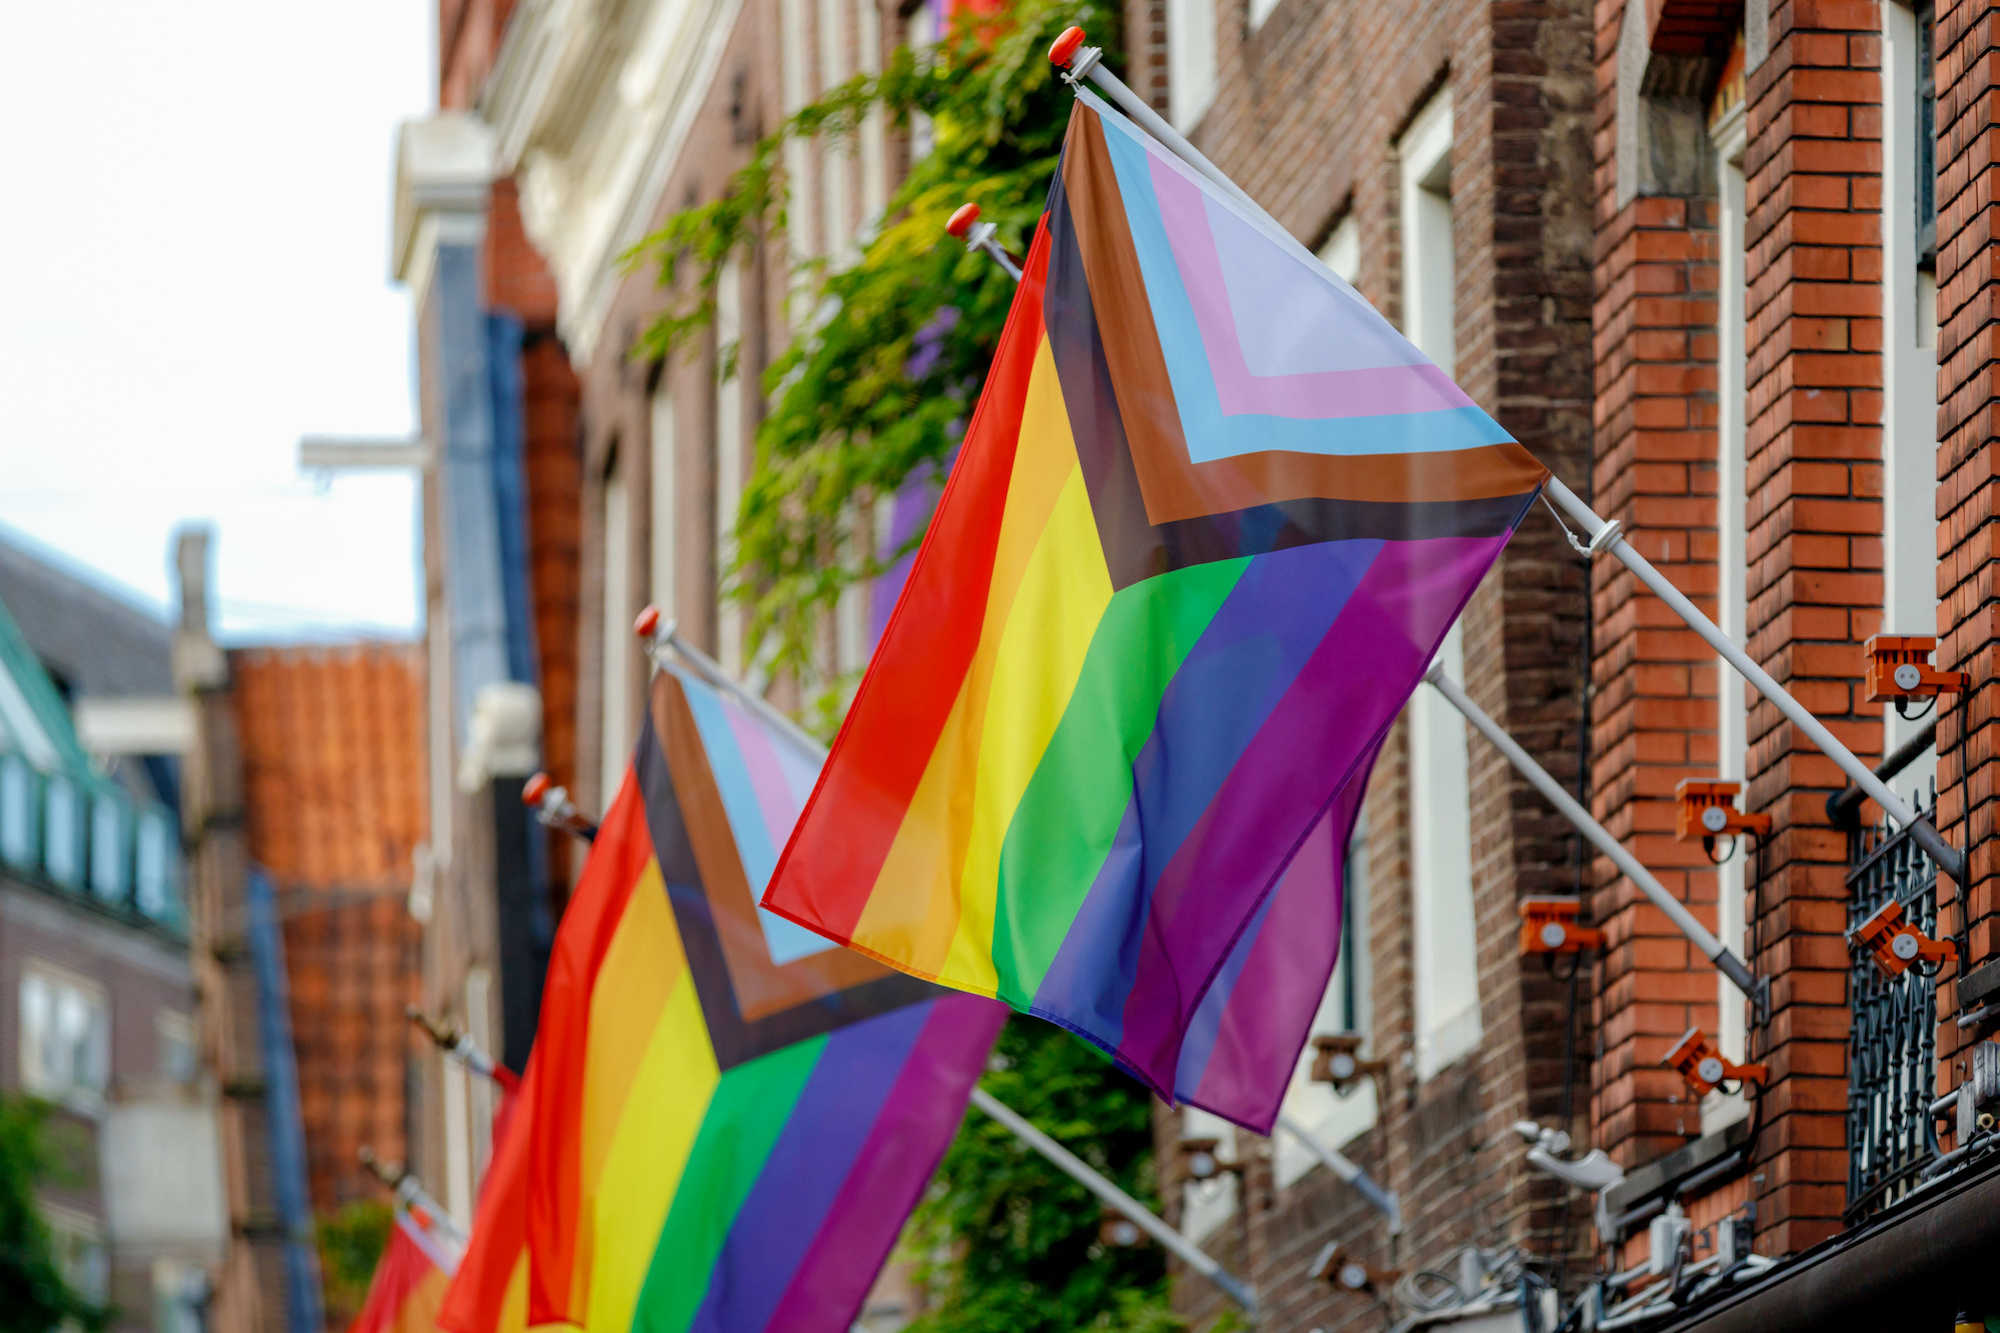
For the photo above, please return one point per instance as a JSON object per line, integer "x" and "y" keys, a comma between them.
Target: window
{"x": 65, "y": 1037}
{"x": 1335, "y": 1118}
{"x": 1429, "y": 268}
{"x": 665, "y": 530}
{"x": 1207, "y": 1204}
{"x": 618, "y": 612}
{"x": 17, "y": 812}
{"x": 1342, "y": 251}
{"x": 1190, "y": 61}
{"x": 178, "y": 1060}
{"x": 1446, "y": 951}
{"x": 62, "y": 854}
{"x": 77, "y": 1244}
{"x": 1909, "y": 353}
{"x": 1445, "y": 947}
{"x": 154, "y": 865}
{"x": 729, "y": 460}
{"x": 107, "y": 847}
{"x": 1924, "y": 140}
{"x": 1732, "y": 740}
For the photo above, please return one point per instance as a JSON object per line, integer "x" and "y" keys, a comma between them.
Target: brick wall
{"x": 1306, "y": 118}
{"x": 1653, "y": 680}
{"x": 1967, "y": 39}
{"x": 1813, "y": 589}
{"x": 1814, "y": 443}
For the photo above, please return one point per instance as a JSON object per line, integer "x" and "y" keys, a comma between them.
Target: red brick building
{"x": 333, "y": 781}
{"x": 1751, "y": 244}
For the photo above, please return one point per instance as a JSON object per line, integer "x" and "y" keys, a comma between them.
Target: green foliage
{"x": 351, "y": 1242}
{"x": 1009, "y": 1244}
{"x": 880, "y": 382}
{"x": 34, "y": 1296}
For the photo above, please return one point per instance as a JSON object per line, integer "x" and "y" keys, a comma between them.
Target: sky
{"x": 194, "y": 272}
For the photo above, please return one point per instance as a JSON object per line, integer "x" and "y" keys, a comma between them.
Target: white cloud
{"x": 195, "y": 273}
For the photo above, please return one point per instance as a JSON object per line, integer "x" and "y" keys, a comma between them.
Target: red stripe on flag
{"x": 828, "y": 869}
{"x": 478, "y": 1292}
{"x": 555, "y": 1108}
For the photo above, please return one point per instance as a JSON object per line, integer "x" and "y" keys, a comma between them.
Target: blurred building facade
{"x": 97, "y": 995}
{"x": 1449, "y": 183}
{"x": 1722, "y": 265}
{"x": 1737, "y": 258}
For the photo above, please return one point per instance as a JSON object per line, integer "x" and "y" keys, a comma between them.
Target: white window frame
{"x": 665, "y": 527}
{"x": 1445, "y": 942}
{"x": 1909, "y": 383}
{"x": 617, "y": 637}
{"x": 57, "y": 984}
{"x": 1732, "y": 467}
{"x": 1335, "y": 1118}
{"x": 1430, "y": 300}
{"x": 1191, "y": 64}
{"x": 729, "y": 461}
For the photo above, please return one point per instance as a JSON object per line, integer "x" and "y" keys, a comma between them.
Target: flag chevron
{"x": 750, "y": 1113}
{"x": 1211, "y": 519}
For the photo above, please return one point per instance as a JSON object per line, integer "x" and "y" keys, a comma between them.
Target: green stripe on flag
{"x": 745, "y": 1117}
{"x": 1068, "y": 817}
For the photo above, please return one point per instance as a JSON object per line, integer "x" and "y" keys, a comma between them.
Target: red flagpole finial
{"x": 1066, "y": 46}
{"x": 537, "y": 787}
{"x": 647, "y": 623}
{"x": 961, "y": 221}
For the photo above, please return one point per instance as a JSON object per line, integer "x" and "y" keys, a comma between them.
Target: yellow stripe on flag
{"x": 913, "y": 914}
{"x": 1040, "y": 656}
{"x": 642, "y": 968}
{"x": 676, "y": 1077}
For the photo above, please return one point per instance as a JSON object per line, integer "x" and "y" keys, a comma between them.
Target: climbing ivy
{"x": 879, "y": 382}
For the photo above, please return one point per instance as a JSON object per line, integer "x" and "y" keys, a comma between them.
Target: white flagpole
{"x": 1143, "y": 1217}
{"x": 1086, "y": 62}
{"x": 1600, "y": 837}
{"x": 1348, "y": 1170}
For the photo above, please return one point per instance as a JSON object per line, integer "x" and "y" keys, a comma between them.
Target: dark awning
{"x": 1913, "y": 1267}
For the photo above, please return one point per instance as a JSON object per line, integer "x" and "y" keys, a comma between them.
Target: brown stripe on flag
{"x": 1174, "y": 487}
{"x": 762, "y": 987}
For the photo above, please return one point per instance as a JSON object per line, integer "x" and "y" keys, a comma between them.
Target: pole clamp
{"x": 1607, "y": 537}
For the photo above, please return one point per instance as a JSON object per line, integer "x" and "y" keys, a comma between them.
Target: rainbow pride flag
{"x": 731, "y": 1118}
{"x": 408, "y": 1286}
{"x": 489, "y": 1292}
{"x": 1211, "y": 520}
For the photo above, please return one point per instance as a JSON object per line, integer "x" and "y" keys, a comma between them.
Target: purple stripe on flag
{"x": 915, "y": 499}
{"x": 919, "y": 1117}
{"x": 1328, "y": 722}
{"x": 1216, "y": 704}
{"x": 1267, "y": 1014}
{"x": 828, "y": 1129}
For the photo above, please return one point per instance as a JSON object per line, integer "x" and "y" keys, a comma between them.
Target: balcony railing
{"x": 1892, "y": 1045}
{"x": 90, "y": 838}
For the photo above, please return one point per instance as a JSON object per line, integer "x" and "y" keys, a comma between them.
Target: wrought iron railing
{"x": 1892, "y": 1046}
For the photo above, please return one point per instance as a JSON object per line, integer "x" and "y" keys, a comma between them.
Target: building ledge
{"x": 1649, "y": 1189}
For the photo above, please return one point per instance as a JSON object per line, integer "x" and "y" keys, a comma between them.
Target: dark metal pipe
{"x": 1843, "y": 808}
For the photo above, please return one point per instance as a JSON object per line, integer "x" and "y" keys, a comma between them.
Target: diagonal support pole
{"x": 1143, "y": 1217}
{"x": 1348, "y": 1170}
{"x": 1086, "y": 62}
{"x": 1600, "y": 837}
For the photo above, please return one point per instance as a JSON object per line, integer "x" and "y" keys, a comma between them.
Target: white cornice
{"x": 444, "y": 174}
{"x": 591, "y": 114}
